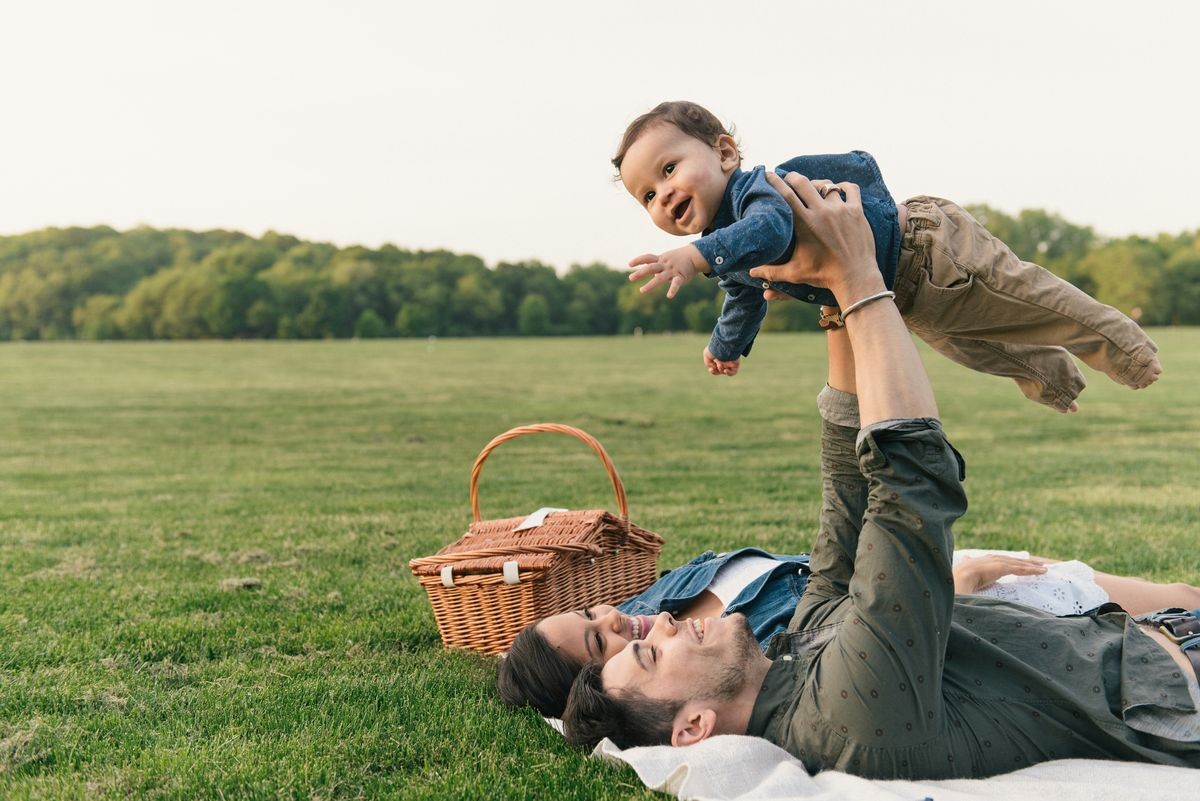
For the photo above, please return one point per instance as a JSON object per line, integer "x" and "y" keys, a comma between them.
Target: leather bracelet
{"x": 858, "y": 304}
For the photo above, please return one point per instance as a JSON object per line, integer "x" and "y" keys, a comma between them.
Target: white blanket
{"x": 739, "y": 767}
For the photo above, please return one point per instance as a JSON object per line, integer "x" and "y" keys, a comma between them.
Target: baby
{"x": 959, "y": 288}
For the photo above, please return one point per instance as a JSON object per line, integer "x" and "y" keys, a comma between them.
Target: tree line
{"x": 145, "y": 283}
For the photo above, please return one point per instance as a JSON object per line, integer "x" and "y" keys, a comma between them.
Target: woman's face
{"x": 594, "y": 634}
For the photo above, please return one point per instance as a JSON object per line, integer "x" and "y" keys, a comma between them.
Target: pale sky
{"x": 487, "y": 127}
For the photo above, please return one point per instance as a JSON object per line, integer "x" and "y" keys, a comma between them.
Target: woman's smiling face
{"x": 594, "y": 634}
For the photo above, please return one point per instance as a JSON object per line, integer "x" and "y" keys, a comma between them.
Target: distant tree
{"x": 286, "y": 328}
{"x": 327, "y": 315}
{"x": 426, "y": 312}
{"x": 370, "y": 325}
{"x": 1177, "y": 295}
{"x": 476, "y": 306}
{"x": 35, "y": 304}
{"x": 235, "y": 293}
{"x": 96, "y": 318}
{"x": 262, "y": 319}
{"x": 141, "y": 313}
{"x": 533, "y": 316}
{"x": 1125, "y": 273}
{"x": 701, "y": 315}
{"x": 356, "y": 274}
{"x": 515, "y": 282}
{"x": 636, "y": 310}
{"x": 592, "y": 299}
{"x": 415, "y": 320}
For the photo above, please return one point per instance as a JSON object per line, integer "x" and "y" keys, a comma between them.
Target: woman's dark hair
{"x": 629, "y": 719}
{"x": 692, "y": 119}
{"x": 535, "y": 673}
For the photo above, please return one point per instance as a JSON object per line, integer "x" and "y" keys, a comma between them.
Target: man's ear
{"x": 693, "y": 724}
{"x": 727, "y": 149}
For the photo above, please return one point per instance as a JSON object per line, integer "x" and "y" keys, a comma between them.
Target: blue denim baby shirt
{"x": 768, "y": 602}
{"x": 754, "y": 227}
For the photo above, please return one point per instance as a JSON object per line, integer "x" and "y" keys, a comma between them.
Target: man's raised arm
{"x": 880, "y": 677}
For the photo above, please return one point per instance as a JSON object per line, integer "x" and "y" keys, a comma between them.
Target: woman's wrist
{"x": 855, "y": 288}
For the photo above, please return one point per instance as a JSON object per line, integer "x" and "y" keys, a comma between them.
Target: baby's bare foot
{"x": 1074, "y": 407}
{"x": 1149, "y": 375}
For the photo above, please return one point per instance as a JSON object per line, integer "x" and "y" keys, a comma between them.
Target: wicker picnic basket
{"x": 494, "y": 580}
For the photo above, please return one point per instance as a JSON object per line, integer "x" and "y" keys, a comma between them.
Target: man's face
{"x": 684, "y": 660}
{"x": 678, "y": 179}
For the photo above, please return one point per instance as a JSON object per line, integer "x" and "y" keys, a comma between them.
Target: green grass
{"x": 137, "y": 478}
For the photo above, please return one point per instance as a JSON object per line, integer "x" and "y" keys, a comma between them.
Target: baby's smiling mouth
{"x": 681, "y": 208}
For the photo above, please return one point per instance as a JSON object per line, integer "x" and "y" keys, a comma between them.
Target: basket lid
{"x": 488, "y": 544}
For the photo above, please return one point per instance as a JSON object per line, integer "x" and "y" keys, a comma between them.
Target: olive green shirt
{"x": 884, "y": 673}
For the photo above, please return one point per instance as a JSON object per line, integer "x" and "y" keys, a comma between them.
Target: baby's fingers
{"x": 659, "y": 278}
{"x": 646, "y": 269}
{"x": 676, "y": 282}
{"x": 645, "y": 258}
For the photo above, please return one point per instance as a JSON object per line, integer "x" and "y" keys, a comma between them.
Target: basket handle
{"x": 548, "y": 428}
{"x": 507, "y": 550}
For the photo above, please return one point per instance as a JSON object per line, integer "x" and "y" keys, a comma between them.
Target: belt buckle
{"x": 1172, "y": 636}
{"x": 1167, "y": 627}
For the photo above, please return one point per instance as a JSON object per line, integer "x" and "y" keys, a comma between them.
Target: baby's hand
{"x": 717, "y": 367}
{"x": 677, "y": 266}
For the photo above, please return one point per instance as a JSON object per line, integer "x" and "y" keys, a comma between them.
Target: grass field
{"x": 204, "y": 546}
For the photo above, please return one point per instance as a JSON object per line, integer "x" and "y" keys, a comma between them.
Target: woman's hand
{"x": 976, "y": 572}
{"x": 834, "y": 247}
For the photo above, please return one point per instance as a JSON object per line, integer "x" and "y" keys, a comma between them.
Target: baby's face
{"x": 678, "y": 179}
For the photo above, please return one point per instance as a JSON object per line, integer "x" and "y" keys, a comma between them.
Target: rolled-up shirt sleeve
{"x": 878, "y": 683}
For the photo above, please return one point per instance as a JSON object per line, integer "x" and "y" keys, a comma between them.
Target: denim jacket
{"x": 768, "y": 602}
{"x": 754, "y": 227}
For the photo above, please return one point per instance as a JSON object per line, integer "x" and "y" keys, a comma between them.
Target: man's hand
{"x": 975, "y": 573}
{"x": 677, "y": 266}
{"x": 718, "y": 367}
{"x": 834, "y": 246}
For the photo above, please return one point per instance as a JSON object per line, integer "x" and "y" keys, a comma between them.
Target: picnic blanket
{"x": 739, "y": 767}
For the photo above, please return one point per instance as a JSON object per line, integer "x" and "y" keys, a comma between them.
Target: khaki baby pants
{"x": 971, "y": 299}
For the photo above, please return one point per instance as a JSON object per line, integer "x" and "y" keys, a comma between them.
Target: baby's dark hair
{"x": 535, "y": 673}
{"x": 692, "y": 118}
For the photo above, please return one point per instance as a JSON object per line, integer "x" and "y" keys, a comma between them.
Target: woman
{"x": 546, "y": 656}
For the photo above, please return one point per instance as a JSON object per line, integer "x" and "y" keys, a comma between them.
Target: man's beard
{"x": 732, "y": 678}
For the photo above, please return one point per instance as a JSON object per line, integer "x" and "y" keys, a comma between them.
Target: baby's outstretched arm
{"x": 677, "y": 266}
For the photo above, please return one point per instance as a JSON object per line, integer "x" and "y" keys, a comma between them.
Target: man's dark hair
{"x": 535, "y": 673}
{"x": 629, "y": 719}
{"x": 692, "y": 119}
